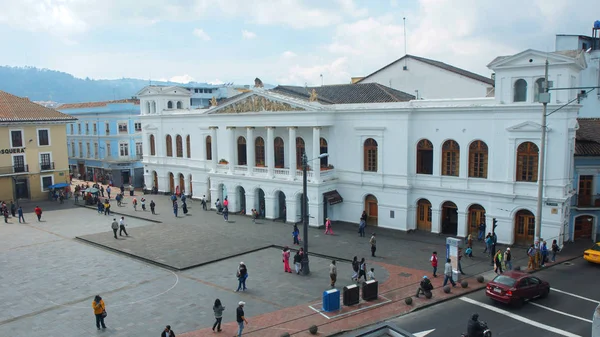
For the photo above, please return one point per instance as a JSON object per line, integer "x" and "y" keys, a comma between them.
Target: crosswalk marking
{"x": 575, "y": 295}
{"x": 560, "y": 312}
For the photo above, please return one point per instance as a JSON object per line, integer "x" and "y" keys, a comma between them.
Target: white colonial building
{"x": 435, "y": 165}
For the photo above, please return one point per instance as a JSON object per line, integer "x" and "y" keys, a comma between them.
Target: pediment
{"x": 526, "y": 127}
{"x": 160, "y": 90}
{"x": 261, "y": 102}
{"x": 531, "y": 57}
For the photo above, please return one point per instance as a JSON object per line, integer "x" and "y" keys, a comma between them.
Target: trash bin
{"x": 370, "y": 290}
{"x": 350, "y": 295}
{"x": 331, "y": 300}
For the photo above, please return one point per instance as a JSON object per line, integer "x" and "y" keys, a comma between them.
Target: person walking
{"x": 184, "y": 207}
{"x": 175, "y": 208}
{"x": 328, "y": 227}
{"x": 203, "y": 202}
{"x": 371, "y": 274}
{"x": 240, "y": 318}
{"x": 508, "y": 259}
{"x": 108, "y": 191}
{"x": 286, "y": 260}
{"x": 99, "y": 311}
{"x": 481, "y": 231}
{"x": 38, "y": 211}
{"x": 295, "y": 233}
{"x": 373, "y": 243}
{"x": 555, "y": 249}
{"x": 122, "y": 227}
{"x": 134, "y": 202}
{"x": 13, "y": 209}
{"x": 361, "y": 227}
{"x": 355, "y": 266}
{"x": 434, "y": 263}
{"x": 152, "y": 206}
{"x": 167, "y": 332}
{"x": 297, "y": 262}
{"x": 332, "y": 273}
{"x": 5, "y": 213}
{"x": 106, "y": 207}
{"x": 469, "y": 241}
{"x": 489, "y": 241}
{"x": 448, "y": 274}
{"x": 531, "y": 257}
{"x": 20, "y": 212}
{"x": 544, "y": 251}
{"x": 218, "y": 309}
{"x": 362, "y": 270}
{"x": 242, "y": 275}
{"x": 115, "y": 227}
{"x": 460, "y": 255}
{"x": 498, "y": 262}
{"x": 226, "y": 213}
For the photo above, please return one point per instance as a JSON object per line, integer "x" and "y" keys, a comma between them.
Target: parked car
{"x": 515, "y": 288}
{"x": 593, "y": 254}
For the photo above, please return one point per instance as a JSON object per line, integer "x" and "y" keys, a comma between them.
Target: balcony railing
{"x": 123, "y": 158}
{"x": 14, "y": 169}
{"x": 588, "y": 201}
{"x": 46, "y": 166}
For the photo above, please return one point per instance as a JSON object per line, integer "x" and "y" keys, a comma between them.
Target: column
{"x": 232, "y": 142}
{"x": 271, "y": 211}
{"x": 292, "y": 152}
{"x": 436, "y": 221}
{"x": 250, "y": 202}
{"x": 186, "y": 182}
{"x": 213, "y": 148}
{"x": 233, "y": 198}
{"x": 270, "y": 152}
{"x": 316, "y": 164}
{"x": 250, "y": 156}
{"x": 462, "y": 229}
{"x": 315, "y": 210}
{"x": 292, "y": 211}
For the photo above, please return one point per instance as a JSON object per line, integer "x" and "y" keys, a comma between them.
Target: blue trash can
{"x": 331, "y": 300}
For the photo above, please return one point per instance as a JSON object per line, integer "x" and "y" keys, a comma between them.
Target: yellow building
{"x": 33, "y": 148}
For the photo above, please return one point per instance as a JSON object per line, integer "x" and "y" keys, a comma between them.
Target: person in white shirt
{"x": 371, "y": 274}
{"x": 122, "y": 227}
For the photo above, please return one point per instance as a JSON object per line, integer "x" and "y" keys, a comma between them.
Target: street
{"x": 567, "y": 311}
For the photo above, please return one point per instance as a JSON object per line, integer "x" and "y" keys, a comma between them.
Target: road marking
{"x": 560, "y": 312}
{"x": 423, "y": 333}
{"x": 387, "y": 300}
{"x": 520, "y": 318}
{"x": 574, "y": 295}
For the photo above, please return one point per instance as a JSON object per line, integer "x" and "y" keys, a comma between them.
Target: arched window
{"x": 169, "y": 146}
{"x": 279, "y": 153}
{"x": 153, "y": 107}
{"x": 538, "y": 89}
{"x": 241, "y": 151}
{"x": 520, "y": 94}
{"x": 450, "y": 158}
{"x": 299, "y": 151}
{"x": 169, "y": 105}
{"x": 478, "y": 158}
{"x": 259, "y": 152}
{"x": 178, "y": 104}
{"x": 323, "y": 149}
{"x": 370, "y": 155}
{"x": 188, "y": 143}
{"x": 208, "y": 148}
{"x": 424, "y": 157}
{"x": 527, "y": 162}
{"x": 152, "y": 146}
{"x": 148, "y": 108}
{"x": 179, "y": 145}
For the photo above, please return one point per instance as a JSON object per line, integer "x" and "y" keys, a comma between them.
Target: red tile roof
{"x": 587, "y": 137}
{"x": 97, "y": 104}
{"x": 21, "y": 109}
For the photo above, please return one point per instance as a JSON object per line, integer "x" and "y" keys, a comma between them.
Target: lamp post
{"x": 304, "y": 210}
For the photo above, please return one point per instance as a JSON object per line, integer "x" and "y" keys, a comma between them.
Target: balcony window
{"x": 138, "y": 127}
{"x": 16, "y": 138}
{"x": 46, "y": 162}
{"x": 19, "y": 164}
{"x": 123, "y": 149}
{"x": 122, "y": 127}
{"x": 584, "y": 195}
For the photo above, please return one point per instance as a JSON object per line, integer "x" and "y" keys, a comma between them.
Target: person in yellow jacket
{"x": 99, "y": 311}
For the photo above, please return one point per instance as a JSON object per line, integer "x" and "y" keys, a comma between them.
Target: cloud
{"x": 333, "y": 72}
{"x": 201, "y": 34}
{"x": 182, "y": 79}
{"x": 288, "y": 54}
{"x": 350, "y": 8}
{"x": 248, "y": 35}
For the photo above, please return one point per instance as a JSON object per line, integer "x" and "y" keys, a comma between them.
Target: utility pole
{"x": 545, "y": 99}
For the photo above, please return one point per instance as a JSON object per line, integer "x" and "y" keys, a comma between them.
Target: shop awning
{"x": 333, "y": 197}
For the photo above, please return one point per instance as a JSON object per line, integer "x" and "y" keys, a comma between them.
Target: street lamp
{"x": 304, "y": 210}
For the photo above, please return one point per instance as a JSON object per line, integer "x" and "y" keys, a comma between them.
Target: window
{"x": 80, "y": 150}
{"x": 47, "y": 181}
{"x": 259, "y": 151}
{"x": 72, "y": 149}
{"x": 106, "y": 128}
{"x": 323, "y": 149}
{"x": 170, "y": 105}
{"x": 586, "y": 186}
{"x": 79, "y": 128}
{"x": 19, "y": 164}
{"x": 43, "y": 137}
{"x": 450, "y": 158}
{"x": 152, "y": 146}
{"x": 370, "y": 155}
{"x": 138, "y": 150}
{"x": 88, "y": 151}
{"x": 188, "y": 146}
{"x": 539, "y": 88}
{"x": 179, "y": 105}
{"x": 16, "y": 138}
{"x": 208, "y": 148}
{"x": 138, "y": 127}
{"x": 478, "y": 157}
{"x": 241, "y": 151}
{"x": 527, "y": 162}
{"x": 96, "y": 152}
{"x": 123, "y": 149}
{"x": 424, "y": 157}
{"x": 169, "y": 144}
{"x": 95, "y": 128}
{"x": 279, "y": 152}
{"x": 108, "y": 150}
{"x": 520, "y": 93}
{"x": 45, "y": 162}
{"x": 300, "y": 150}
{"x": 87, "y": 129}
{"x": 179, "y": 146}
{"x": 72, "y": 128}
{"x": 123, "y": 127}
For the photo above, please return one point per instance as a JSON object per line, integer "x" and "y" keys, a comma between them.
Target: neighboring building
{"x": 106, "y": 142}
{"x": 33, "y": 150}
{"x": 585, "y": 206}
{"x": 203, "y": 93}
{"x": 442, "y": 166}
{"x": 430, "y": 79}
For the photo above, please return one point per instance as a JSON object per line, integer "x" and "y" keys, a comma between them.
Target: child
{"x": 371, "y": 274}
{"x": 469, "y": 252}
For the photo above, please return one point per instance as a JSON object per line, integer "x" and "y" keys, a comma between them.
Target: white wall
{"x": 590, "y": 77}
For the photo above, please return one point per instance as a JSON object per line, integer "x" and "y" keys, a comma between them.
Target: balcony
{"x": 9, "y": 170}
{"x": 278, "y": 173}
{"x": 47, "y": 166}
{"x": 588, "y": 201}
{"x": 122, "y": 159}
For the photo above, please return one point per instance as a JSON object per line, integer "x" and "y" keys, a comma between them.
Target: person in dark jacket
{"x": 218, "y": 309}
{"x": 167, "y": 332}
{"x": 242, "y": 275}
{"x": 474, "y": 327}
{"x": 425, "y": 286}
{"x": 298, "y": 262}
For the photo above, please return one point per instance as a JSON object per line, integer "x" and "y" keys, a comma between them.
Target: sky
{"x": 290, "y": 42}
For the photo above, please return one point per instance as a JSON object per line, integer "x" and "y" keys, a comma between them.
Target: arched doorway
{"x": 241, "y": 148}
{"x": 279, "y": 152}
{"x": 181, "y": 184}
{"x": 372, "y": 210}
{"x": 221, "y": 192}
{"x": 583, "y": 227}
{"x": 476, "y": 218}
{"x": 190, "y": 191}
{"x": 241, "y": 194}
{"x": 155, "y": 180}
{"x": 171, "y": 183}
{"x": 259, "y": 201}
{"x": 281, "y": 209}
{"x": 449, "y": 218}
{"x": 524, "y": 227}
{"x": 323, "y": 149}
{"x": 424, "y": 215}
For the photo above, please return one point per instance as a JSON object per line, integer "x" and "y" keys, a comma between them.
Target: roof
{"x": 21, "y": 109}
{"x": 438, "y": 64}
{"x": 587, "y": 137}
{"x": 347, "y": 93}
{"x": 97, "y": 104}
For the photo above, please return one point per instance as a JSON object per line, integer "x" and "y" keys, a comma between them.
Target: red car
{"x": 515, "y": 287}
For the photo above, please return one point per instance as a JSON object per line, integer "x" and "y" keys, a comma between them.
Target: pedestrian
{"x": 175, "y": 208}
{"x": 544, "y": 251}
{"x": 362, "y": 268}
{"x": 134, "y": 202}
{"x": 371, "y": 274}
{"x": 122, "y": 188}
{"x": 460, "y": 255}
{"x": 286, "y": 260}
{"x": 102, "y": 191}
{"x": 531, "y": 257}
{"x": 13, "y": 209}
{"x": 424, "y": 287}
{"x": 38, "y": 211}
{"x": 183, "y": 197}
{"x": 5, "y": 213}
{"x": 297, "y": 262}
{"x": 152, "y": 206}
{"x": 167, "y": 332}
{"x": 508, "y": 259}
{"x": 143, "y": 203}
{"x": 115, "y": 227}
{"x": 131, "y": 189}
{"x": 434, "y": 263}
{"x": 119, "y": 198}
{"x": 226, "y": 213}
{"x": 498, "y": 262}
{"x": 100, "y": 207}
{"x": 122, "y": 227}
{"x": 355, "y": 266}
{"x": 448, "y": 274}
{"x": 225, "y": 202}
{"x": 555, "y": 249}
{"x": 332, "y": 273}
{"x": 361, "y": 227}
{"x": 373, "y": 243}
{"x": 469, "y": 241}
{"x": 106, "y": 207}
{"x": 328, "y": 227}
{"x": 240, "y": 318}
{"x": 295, "y": 232}
{"x": 184, "y": 207}
{"x": 203, "y": 202}
{"x": 218, "y": 309}
{"x": 469, "y": 252}
{"x": 255, "y": 215}
{"x": 76, "y": 195}
{"x": 488, "y": 244}
{"x": 108, "y": 191}
{"x": 99, "y": 311}
{"x": 20, "y": 212}
{"x": 481, "y": 231}
{"x": 242, "y": 275}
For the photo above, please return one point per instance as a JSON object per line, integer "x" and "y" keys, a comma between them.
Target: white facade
{"x": 426, "y": 81}
{"x": 390, "y": 193}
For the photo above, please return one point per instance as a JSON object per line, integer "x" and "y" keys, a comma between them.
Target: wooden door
{"x": 372, "y": 213}
{"x": 524, "y": 228}
{"x": 424, "y": 216}
{"x": 476, "y": 217}
{"x": 155, "y": 180}
{"x": 584, "y": 195}
{"x": 583, "y": 227}
{"x": 171, "y": 183}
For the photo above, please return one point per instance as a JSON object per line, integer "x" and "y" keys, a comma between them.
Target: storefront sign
{"x": 11, "y": 151}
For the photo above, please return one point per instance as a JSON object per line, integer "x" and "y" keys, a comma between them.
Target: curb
{"x": 123, "y": 214}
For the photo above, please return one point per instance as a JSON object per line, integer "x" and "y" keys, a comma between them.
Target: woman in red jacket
{"x": 38, "y": 212}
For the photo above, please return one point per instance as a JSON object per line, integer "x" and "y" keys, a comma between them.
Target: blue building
{"x": 106, "y": 141}
{"x": 585, "y": 205}
{"x": 202, "y": 93}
